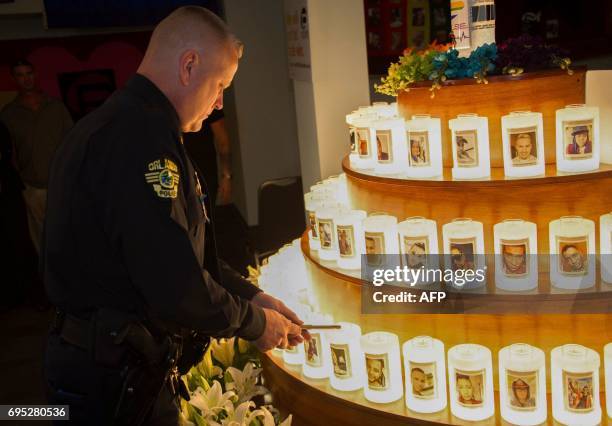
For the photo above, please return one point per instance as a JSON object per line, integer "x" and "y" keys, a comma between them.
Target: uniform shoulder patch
{"x": 163, "y": 175}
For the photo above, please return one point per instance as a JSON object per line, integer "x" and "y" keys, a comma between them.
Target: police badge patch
{"x": 164, "y": 177}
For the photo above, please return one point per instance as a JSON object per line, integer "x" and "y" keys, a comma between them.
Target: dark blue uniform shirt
{"x": 127, "y": 226}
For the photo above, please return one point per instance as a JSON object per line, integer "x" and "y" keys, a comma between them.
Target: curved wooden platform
{"x": 316, "y": 403}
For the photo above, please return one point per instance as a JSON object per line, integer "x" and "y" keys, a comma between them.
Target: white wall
{"x": 339, "y": 85}
{"x": 265, "y": 146}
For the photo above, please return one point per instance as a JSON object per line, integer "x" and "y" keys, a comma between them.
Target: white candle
{"x": 328, "y": 241}
{"x": 523, "y": 144}
{"x": 425, "y": 370}
{"x": 516, "y": 261}
{"x": 575, "y": 385}
{"x": 366, "y": 142}
{"x": 346, "y": 358}
{"x": 578, "y": 144}
{"x": 390, "y": 147}
{"x": 419, "y": 244}
{"x": 608, "y": 373}
{"x": 522, "y": 384}
{"x": 317, "y": 357}
{"x": 605, "y": 247}
{"x": 352, "y": 133}
{"x": 383, "y": 380}
{"x": 381, "y": 240}
{"x": 464, "y": 250}
{"x": 350, "y": 238}
{"x": 572, "y": 253}
{"x": 470, "y": 380}
{"x": 470, "y": 144}
{"x": 312, "y": 201}
{"x": 424, "y": 147}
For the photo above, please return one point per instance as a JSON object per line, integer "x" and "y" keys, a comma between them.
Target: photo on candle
{"x": 340, "y": 360}
{"x": 377, "y": 368}
{"x": 523, "y": 146}
{"x": 312, "y": 348}
{"x": 423, "y": 379}
{"x": 312, "y": 220}
{"x": 325, "y": 232}
{"x": 353, "y": 139}
{"x": 462, "y": 253}
{"x": 363, "y": 136}
{"x": 470, "y": 387}
{"x": 578, "y": 139}
{"x": 573, "y": 255}
{"x": 415, "y": 251}
{"x": 419, "y": 149}
{"x": 514, "y": 257}
{"x": 346, "y": 240}
{"x": 522, "y": 389}
{"x": 466, "y": 148}
{"x": 375, "y": 247}
{"x": 383, "y": 146}
{"x": 578, "y": 391}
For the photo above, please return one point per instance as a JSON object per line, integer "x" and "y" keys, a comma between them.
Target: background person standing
{"x": 37, "y": 124}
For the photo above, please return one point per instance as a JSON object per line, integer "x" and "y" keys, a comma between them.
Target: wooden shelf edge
{"x": 604, "y": 171}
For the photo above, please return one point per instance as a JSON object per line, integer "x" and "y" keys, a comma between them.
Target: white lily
{"x": 243, "y": 346}
{"x": 213, "y": 401}
{"x": 223, "y": 351}
{"x": 207, "y": 368}
{"x": 244, "y": 382}
{"x": 268, "y": 419}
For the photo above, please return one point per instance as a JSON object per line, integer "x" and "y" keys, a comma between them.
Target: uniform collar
{"x": 150, "y": 93}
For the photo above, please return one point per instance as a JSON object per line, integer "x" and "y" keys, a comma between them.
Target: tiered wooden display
{"x": 549, "y": 322}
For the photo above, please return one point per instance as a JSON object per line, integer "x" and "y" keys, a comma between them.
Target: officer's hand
{"x": 264, "y": 300}
{"x": 278, "y": 333}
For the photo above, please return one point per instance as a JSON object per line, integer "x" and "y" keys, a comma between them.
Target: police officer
{"x": 129, "y": 256}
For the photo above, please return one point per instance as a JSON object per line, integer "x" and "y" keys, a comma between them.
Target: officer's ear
{"x": 188, "y": 62}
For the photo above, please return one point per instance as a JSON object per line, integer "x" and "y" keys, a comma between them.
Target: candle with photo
{"x": 470, "y": 380}
{"x": 326, "y": 215}
{"x": 390, "y": 150}
{"x": 366, "y": 141}
{"x": 464, "y": 249}
{"x": 353, "y": 153}
{"x": 347, "y": 360}
{"x": 419, "y": 244}
{"x": 522, "y": 384}
{"x": 574, "y": 377}
{"x": 608, "y": 375}
{"x": 605, "y": 247}
{"x": 523, "y": 144}
{"x": 470, "y": 145}
{"x": 317, "y": 359}
{"x": 383, "y": 380}
{"x": 424, "y": 147}
{"x": 310, "y": 204}
{"x": 425, "y": 370}
{"x": 350, "y": 238}
{"x": 577, "y": 134}
{"x": 380, "y": 237}
{"x": 516, "y": 261}
{"x": 572, "y": 253}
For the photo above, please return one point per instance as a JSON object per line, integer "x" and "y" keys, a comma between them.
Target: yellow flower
{"x": 223, "y": 351}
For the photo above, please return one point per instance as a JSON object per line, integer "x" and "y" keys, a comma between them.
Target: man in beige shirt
{"x": 37, "y": 124}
